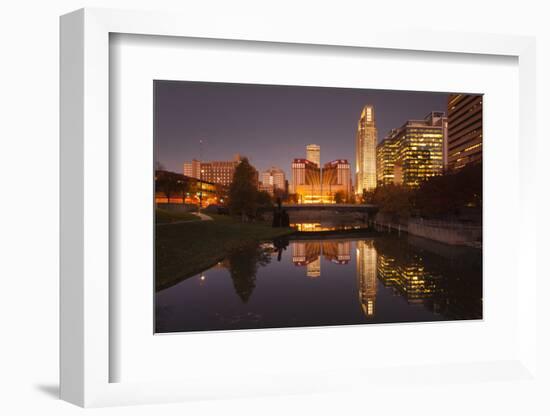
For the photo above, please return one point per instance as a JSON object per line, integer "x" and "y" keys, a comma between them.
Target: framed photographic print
{"x": 259, "y": 227}
{"x": 275, "y": 212}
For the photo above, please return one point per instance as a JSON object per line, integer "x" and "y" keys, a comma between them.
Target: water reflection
{"x": 351, "y": 281}
{"x": 366, "y": 276}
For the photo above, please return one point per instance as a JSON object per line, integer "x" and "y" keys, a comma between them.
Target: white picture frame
{"x": 85, "y": 210}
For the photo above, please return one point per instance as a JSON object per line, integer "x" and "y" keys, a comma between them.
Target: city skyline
{"x": 241, "y": 118}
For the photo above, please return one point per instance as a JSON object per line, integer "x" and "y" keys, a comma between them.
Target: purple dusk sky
{"x": 272, "y": 124}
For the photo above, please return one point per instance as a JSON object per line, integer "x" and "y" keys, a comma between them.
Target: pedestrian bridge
{"x": 363, "y": 208}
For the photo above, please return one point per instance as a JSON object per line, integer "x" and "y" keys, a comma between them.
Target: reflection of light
{"x": 203, "y": 277}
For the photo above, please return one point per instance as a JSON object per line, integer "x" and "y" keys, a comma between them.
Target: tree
{"x": 170, "y": 185}
{"x": 263, "y": 199}
{"x": 243, "y": 192}
{"x": 339, "y": 197}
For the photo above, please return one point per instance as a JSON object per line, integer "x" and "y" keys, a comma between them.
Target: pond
{"x": 312, "y": 281}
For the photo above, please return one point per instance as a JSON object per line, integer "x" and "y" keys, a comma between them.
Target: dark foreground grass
{"x": 165, "y": 216}
{"x": 185, "y": 249}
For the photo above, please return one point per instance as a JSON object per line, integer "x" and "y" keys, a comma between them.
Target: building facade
{"x": 365, "y": 151}
{"x": 386, "y": 153}
{"x": 313, "y": 185}
{"x": 336, "y": 179}
{"x": 192, "y": 169}
{"x": 313, "y": 154}
{"x": 218, "y": 171}
{"x": 414, "y": 152}
{"x": 272, "y": 180}
{"x": 465, "y": 115}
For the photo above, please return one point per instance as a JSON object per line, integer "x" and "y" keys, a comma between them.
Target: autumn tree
{"x": 243, "y": 192}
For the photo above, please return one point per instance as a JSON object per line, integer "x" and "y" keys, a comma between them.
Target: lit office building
{"x": 366, "y": 276}
{"x": 313, "y": 154}
{"x": 365, "y": 148}
{"x": 465, "y": 115}
{"x": 386, "y": 153}
{"x": 415, "y": 151}
{"x": 272, "y": 179}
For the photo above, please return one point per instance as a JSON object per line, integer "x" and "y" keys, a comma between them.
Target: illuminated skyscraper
{"x": 365, "y": 151}
{"x": 313, "y": 154}
{"x": 386, "y": 153}
{"x": 366, "y": 276}
{"x": 465, "y": 129}
{"x": 414, "y": 152}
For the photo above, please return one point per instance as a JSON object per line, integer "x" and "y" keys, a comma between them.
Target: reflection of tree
{"x": 243, "y": 264}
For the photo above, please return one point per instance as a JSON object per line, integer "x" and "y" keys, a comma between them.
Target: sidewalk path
{"x": 202, "y": 216}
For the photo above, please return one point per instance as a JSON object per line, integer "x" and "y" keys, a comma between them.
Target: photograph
{"x": 281, "y": 206}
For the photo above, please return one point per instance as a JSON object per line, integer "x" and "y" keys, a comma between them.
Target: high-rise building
{"x": 414, "y": 152}
{"x": 386, "y": 153}
{"x": 365, "y": 151}
{"x": 273, "y": 179}
{"x": 313, "y": 154}
{"x": 192, "y": 169}
{"x": 465, "y": 115}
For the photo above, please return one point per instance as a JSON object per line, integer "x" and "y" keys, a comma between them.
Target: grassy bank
{"x": 167, "y": 216}
{"x": 185, "y": 249}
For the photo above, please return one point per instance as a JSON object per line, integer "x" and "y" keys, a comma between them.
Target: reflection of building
{"x": 337, "y": 251}
{"x": 365, "y": 148}
{"x": 414, "y": 151}
{"x": 313, "y": 269}
{"x": 409, "y": 279}
{"x": 308, "y": 253}
{"x": 366, "y": 276}
{"x": 313, "y": 154}
{"x": 465, "y": 130}
{"x": 272, "y": 179}
{"x": 304, "y": 253}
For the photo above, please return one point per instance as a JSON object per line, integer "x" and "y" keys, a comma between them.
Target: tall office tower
{"x": 386, "y": 153}
{"x": 192, "y": 169}
{"x": 366, "y": 276}
{"x": 414, "y": 152}
{"x": 465, "y": 115}
{"x": 313, "y": 154}
{"x": 365, "y": 151}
